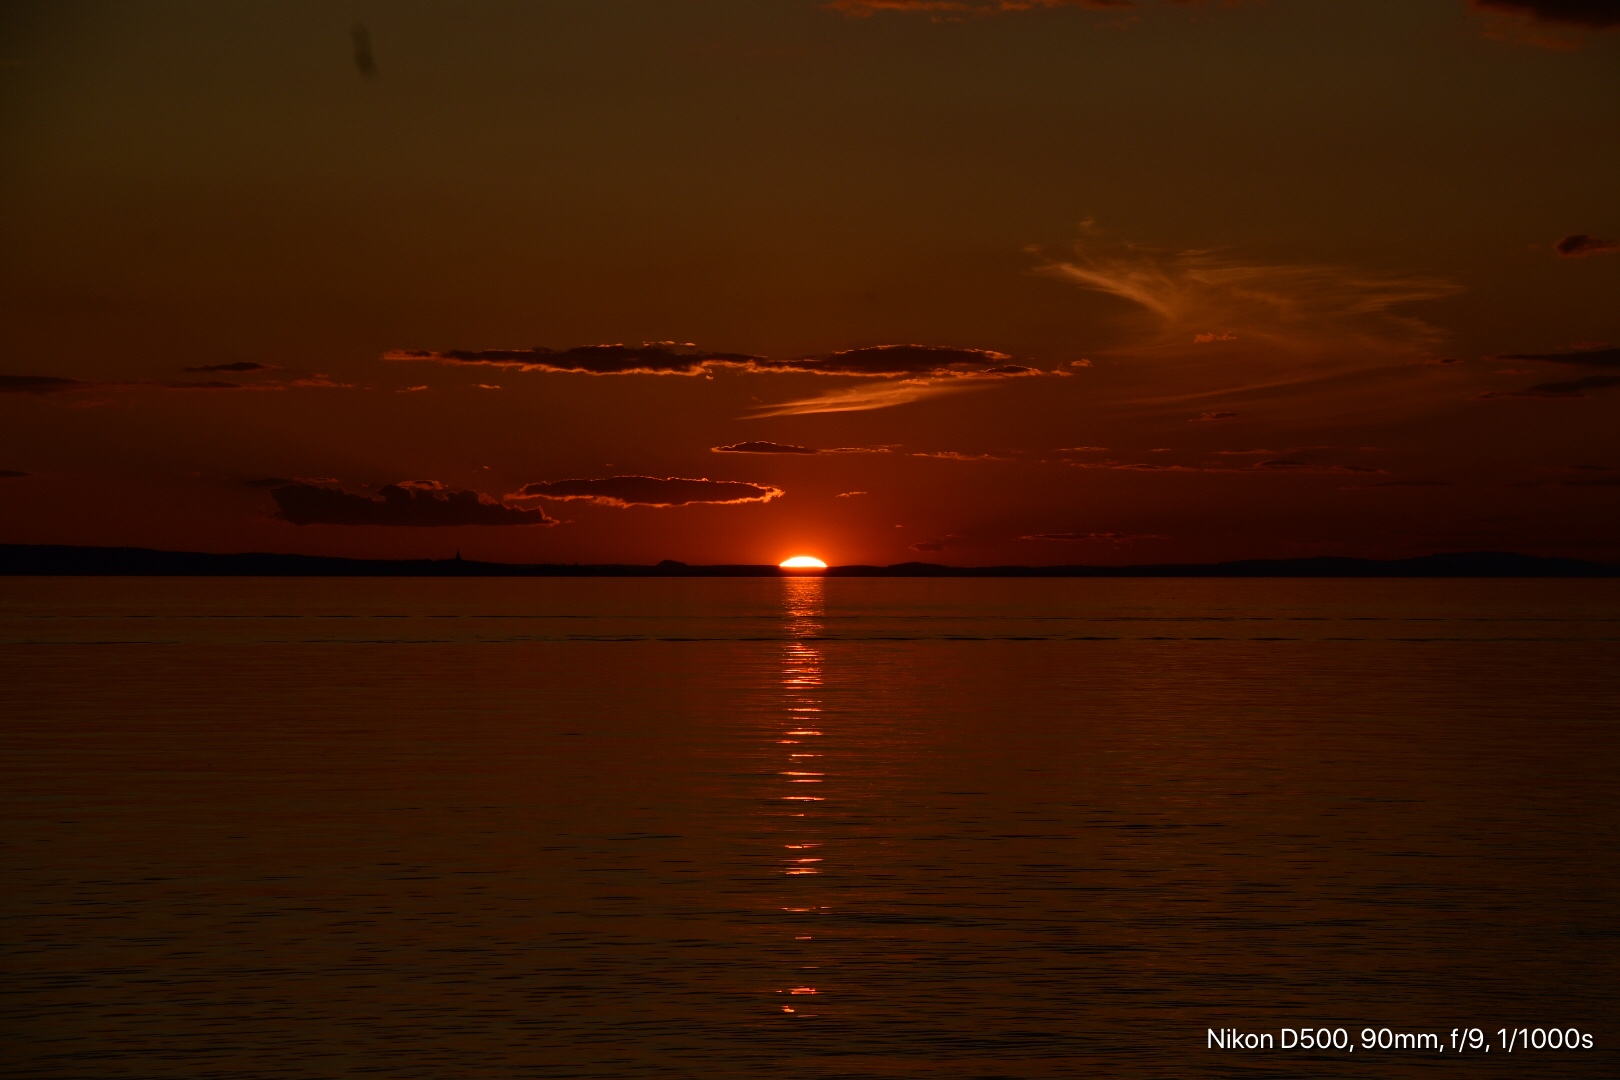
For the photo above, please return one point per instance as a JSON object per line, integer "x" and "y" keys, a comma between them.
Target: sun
{"x": 802, "y": 562}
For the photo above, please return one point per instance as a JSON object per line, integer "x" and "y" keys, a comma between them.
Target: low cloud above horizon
{"x": 627, "y": 491}
{"x": 652, "y": 358}
{"x": 412, "y": 504}
{"x": 668, "y": 358}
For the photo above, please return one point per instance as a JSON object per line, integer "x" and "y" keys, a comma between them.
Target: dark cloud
{"x": 282, "y": 481}
{"x": 1290, "y": 465}
{"x": 1282, "y": 466}
{"x": 959, "y": 8}
{"x": 1594, "y": 481}
{"x": 652, "y": 358}
{"x": 1572, "y": 388}
{"x": 1094, "y": 537}
{"x": 1596, "y": 14}
{"x": 364, "y": 62}
{"x": 1205, "y": 417}
{"x": 1598, "y": 358}
{"x": 238, "y": 366}
{"x": 762, "y": 447}
{"x": 938, "y": 544}
{"x": 651, "y": 491}
{"x": 957, "y": 455}
{"x": 1580, "y": 245}
{"x": 51, "y": 384}
{"x": 413, "y": 504}
{"x": 1411, "y": 483}
{"x": 40, "y": 384}
{"x": 12, "y": 474}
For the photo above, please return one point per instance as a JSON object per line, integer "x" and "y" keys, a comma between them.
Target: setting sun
{"x": 802, "y": 562}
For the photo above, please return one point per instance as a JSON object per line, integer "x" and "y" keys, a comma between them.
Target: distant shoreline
{"x": 54, "y": 560}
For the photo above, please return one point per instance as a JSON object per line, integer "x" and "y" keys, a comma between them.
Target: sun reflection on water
{"x": 804, "y": 607}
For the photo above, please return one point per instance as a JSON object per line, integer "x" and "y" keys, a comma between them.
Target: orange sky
{"x": 1184, "y": 281}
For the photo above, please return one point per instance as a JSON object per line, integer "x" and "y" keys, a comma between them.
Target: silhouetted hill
{"x": 60, "y": 560}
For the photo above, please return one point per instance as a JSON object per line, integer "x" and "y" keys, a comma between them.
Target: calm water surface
{"x": 801, "y": 828}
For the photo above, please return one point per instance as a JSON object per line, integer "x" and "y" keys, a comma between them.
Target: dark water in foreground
{"x": 760, "y": 828}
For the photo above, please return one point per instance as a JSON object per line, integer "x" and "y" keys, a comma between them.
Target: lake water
{"x": 803, "y": 828}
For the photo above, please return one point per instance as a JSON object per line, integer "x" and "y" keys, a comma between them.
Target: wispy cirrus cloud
{"x": 412, "y": 504}
{"x": 907, "y": 361}
{"x": 1209, "y": 325}
{"x": 1298, "y": 307}
{"x": 864, "y": 398}
{"x": 910, "y": 373}
{"x": 626, "y": 491}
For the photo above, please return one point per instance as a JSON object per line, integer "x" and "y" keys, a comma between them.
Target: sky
{"x": 964, "y": 281}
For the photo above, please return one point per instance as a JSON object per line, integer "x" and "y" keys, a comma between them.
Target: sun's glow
{"x": 802, "y": 562}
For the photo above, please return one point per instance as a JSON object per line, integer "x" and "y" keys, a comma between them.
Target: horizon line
{"x": 64, "y": 560}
